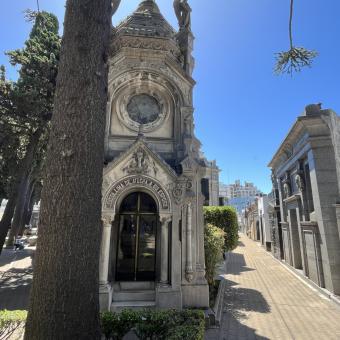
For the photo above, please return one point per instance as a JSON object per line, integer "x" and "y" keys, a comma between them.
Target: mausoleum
{"x": 305, "y": 212}
{"x": 152, "y": 252}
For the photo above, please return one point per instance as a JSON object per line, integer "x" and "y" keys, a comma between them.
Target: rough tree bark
{"x": 64, "y": 297}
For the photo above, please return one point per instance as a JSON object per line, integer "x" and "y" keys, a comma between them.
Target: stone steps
{"x": 134, "y": 295}
{"x": 118, "y": 306}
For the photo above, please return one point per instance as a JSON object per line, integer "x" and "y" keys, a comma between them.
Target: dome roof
{"x": 146, "y": 20}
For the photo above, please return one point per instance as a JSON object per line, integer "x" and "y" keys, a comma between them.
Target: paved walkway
{"x": 15, "y": 278}
{"x": 264, "y": 300}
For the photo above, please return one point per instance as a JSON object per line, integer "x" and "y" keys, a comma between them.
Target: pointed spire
{"x": 148, "y": 6}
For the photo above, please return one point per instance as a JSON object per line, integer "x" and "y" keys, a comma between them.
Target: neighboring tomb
{"x": 306, "y": 191}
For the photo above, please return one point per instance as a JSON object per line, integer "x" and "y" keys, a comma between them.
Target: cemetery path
{"x": 265, "y": 300}
{"x": 16, "y": 274}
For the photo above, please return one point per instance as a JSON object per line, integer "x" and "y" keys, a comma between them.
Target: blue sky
{"x": 242, "y": 110}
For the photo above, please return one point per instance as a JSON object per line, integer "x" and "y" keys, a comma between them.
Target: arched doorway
{"x": 136, "y": 254}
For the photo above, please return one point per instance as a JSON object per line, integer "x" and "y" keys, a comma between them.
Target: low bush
{"x": 11, "y": 321}
{"x": 224, "y": 218}
{"x": 213, "y": 247}
{"x": 153, "y": 324}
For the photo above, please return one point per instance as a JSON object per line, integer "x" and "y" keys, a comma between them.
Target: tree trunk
{"x": 7, "y": 218}
{"x": 25, "y": 217}
{"x": 23, "y": 180}
{"x": 19, "y": 210}
{"x": 64, "y": 297}
{"x": 23, "y": 170}
{"x": 30, "y": 209}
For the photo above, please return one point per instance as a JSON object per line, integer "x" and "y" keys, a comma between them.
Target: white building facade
{"x": 152, "y": 252}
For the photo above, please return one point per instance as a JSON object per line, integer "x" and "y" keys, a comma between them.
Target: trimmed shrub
{"x": 213, "y": 246}
{"x": 224, "y": 218}
{"x": 115, "y": 326}
{"x": 11, "y": 321}
{"x": 153, "y": 324}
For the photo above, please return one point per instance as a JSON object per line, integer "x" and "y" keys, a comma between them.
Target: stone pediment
{"x": 139, "y": 159}
{"x": 138, "y": 168}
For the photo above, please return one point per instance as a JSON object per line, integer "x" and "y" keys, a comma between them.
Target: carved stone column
{"x": 165, "y": 220}
{"x": 105, "y": 250}
{"x": 189, "y": 273}
{"x": 105, "y": 290}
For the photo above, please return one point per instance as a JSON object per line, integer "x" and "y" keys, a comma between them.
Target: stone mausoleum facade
{"x": 152, "y": 252}
{"x": 305, "y": 202}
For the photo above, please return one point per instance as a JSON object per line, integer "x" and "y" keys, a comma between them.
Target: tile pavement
{"x": 264, "y": 300}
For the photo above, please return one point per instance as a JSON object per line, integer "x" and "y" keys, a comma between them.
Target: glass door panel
{"x": 127, "y": 248}
{"x": 146, "y": 256}
{"x": 136, "y": 255}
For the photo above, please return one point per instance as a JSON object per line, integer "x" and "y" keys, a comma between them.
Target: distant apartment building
{"x": 238, "y": 195}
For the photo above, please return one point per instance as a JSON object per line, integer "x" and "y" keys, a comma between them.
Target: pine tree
{"x": 26, "y": 109}
{"x": 64, "y": 297}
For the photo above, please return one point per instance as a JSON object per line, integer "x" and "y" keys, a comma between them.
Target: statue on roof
{"x": 183, "y": 13}
{"x": 114, "y": 6}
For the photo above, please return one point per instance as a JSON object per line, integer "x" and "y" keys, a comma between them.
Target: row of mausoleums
{"x": 304, "y": 206}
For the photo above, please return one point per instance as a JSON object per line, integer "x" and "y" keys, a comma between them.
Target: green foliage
{"x": 213, "y": 246}
{"x": 10, "y": 321}
{"x": 26, "y": 105}
{"x": 115, "y": 326}
{"x": 224, "y": 218}
{"x": 152, "y": 324}
{"x": 294, "y": 60}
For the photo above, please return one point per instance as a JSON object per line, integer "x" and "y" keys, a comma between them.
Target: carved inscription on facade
{"x": 137, "y": 181}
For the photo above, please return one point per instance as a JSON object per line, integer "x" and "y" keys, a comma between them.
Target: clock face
{"x": 143, "y": 109}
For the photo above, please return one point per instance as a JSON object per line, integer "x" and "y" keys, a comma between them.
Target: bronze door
{"x": 136, "y": 257}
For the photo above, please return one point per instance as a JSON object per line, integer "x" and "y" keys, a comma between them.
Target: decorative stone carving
{"x": 179, "y": 189}
{"x": 150, "y": 44}
{"x": 107, "y": 220}
{"x": 286, "y": 190}
{"x": 183, "y": 13}
{"x": 300, "y": 184}
{"x": 137, "y": 181}
{"x": 153, "y": 67}
{"x": 140, "y": 163}
{"x": 132, "y": 113}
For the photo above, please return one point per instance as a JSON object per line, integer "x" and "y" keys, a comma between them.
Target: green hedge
{"x": 213, "y": 246}
{"x": 152, "y": 324}
{"x": 147, "y": 324}
{"x": 224, "y": 218}
{"x": 10, "y": 321}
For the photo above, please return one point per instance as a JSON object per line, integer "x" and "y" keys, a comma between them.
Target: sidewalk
{"x": 16, "y": 274}
{"x": 264, "y": 300}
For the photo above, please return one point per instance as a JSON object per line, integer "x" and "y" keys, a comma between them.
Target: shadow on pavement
{"x": 9, "y": 255}
{"x": 15, "y": 285}
{"x": 238, "y": 303}
{"x": 15, "y": 282}
{"x": 240, "y": 244}
{"x": 235, "y": 264}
